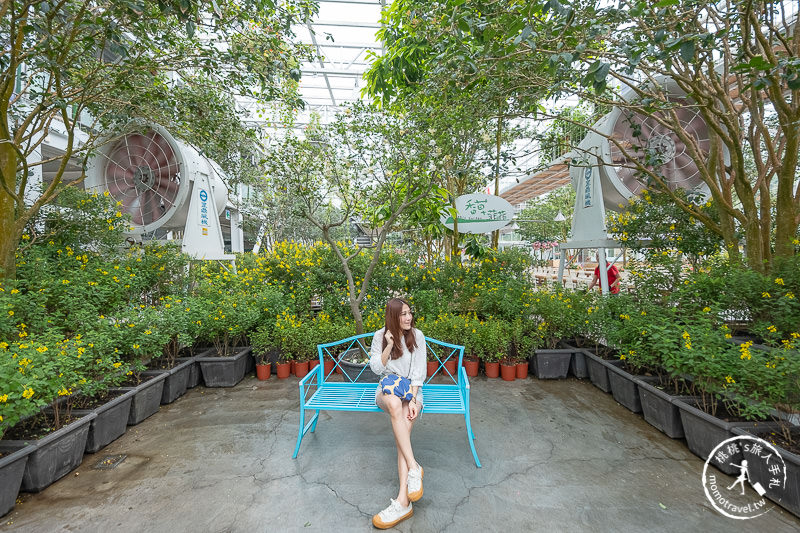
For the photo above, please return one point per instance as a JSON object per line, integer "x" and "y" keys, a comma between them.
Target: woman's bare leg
{"x": 401, "y": 426}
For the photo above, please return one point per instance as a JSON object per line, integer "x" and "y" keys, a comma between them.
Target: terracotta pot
{"x": 284, "y": 370}
{"x": 328, "y": 366}
{"x": 263, "y": 371}
{"x": 492, "y": 369}
{"x": 508, "y": 372}
{"x": 522, "y": 370}
{"x": 292, "y": 367}
{"x": 313, "y": 364}
{"x": 471, "y": 366}
{"x": 432, "y": 366}
{"x": 451, "y": 367}
{"x": 301, "y": 369}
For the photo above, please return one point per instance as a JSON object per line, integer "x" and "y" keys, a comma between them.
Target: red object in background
{"x": 613, "y": 275}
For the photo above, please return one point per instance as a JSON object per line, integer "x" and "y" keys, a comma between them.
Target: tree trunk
{"x": 765, "y": 224}
{"x": 8, "y": 208}
{"x": 455, "y": 251}
{"x": 787, "y": 212}
{"x": 751, "y": 224}
{"x": 498, "y": 143}
{"x": 357, "y": 318}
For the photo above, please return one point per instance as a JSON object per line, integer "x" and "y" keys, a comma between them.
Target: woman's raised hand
{"x": 389, "y": 338}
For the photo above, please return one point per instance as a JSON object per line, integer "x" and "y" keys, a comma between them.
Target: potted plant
{"x": 463, "y": 329}
{"x": 283, "y": 366}
{"x": 775, "y": 379}
{"x": 49, "y": 370}
{"x": 296, "y": 340}
{"x": 166, "y": 331}
{"x": 556, "y": 315}
{"x": 321, "y": 329}
{"x": 292, "y": 335}
{"x": 264, "y": 342}
{"x": 493, "y": 338}
{"x": 728, "y": 394}
{"x": 508, "y": 369}
{"x": 525, "y": 338}
{"x": 263, "y": 366}
{"x": 224, "y": 314}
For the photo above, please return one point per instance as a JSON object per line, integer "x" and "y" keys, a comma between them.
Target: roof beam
{"x": 369, "y": 46}
{"x": 321, "y": 62}
{"x": 347, "y": 24}
{"x": 360, "y": 2}
{"x": 337, "y": 73}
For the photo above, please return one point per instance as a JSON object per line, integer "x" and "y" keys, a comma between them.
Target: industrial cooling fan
{"x": 163, "y": 184}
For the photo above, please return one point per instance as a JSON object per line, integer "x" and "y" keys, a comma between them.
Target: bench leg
{"x": 471, "y": 437}
{"x": 300, "y": 431}
{"x": 303, "y": 429}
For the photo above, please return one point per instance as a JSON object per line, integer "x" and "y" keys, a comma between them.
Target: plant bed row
{"x": 31, "y": 464}
{"x": 681, "y": 416}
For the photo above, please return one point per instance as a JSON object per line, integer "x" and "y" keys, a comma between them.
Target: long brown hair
{"x": 392, "y": 322}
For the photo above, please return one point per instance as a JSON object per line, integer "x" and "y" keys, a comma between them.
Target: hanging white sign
{"x": 480, "y": 213}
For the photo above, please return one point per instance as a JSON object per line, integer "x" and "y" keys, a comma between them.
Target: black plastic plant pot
{"x": 225, "y": 371}
{"x": 659, "y": 409}
{"x": 54, "y": 456}
{"x": 12, "y": 468}
{"x": 551, "y": 364}
{"x": 598, "y": 370}
{"x": 146, "y": 398}
{"x": 110, "y": 423}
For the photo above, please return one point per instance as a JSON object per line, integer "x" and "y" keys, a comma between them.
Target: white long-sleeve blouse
{"x": 410, "y": 365}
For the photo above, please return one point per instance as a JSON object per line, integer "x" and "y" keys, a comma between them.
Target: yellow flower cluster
{"x": 687, "y": 340}
{"x": 744, "y": 348}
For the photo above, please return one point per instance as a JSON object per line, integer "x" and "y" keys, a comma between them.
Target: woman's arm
{"x": 413, "y": 405}
{"x": 378, "y": 359}
{"x": 419, "y": 358}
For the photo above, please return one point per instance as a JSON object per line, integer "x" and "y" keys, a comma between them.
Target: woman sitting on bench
{"x": 399, "y": 349}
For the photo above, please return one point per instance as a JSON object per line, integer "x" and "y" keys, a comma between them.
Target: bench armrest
{"x": 317, "y": 372}
{"x": 305, "y": 384}
{"x": 464, "y": 378}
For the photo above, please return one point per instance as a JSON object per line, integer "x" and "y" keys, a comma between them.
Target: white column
{"x": 237, "y": 233}
{"x": 34, "y": 187}
{"x": 603, "y": 269}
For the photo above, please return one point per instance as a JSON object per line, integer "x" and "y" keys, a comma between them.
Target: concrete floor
{"x": 557, "y": 456}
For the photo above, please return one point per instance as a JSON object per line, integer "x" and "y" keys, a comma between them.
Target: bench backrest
{"x": 358, "y": 346}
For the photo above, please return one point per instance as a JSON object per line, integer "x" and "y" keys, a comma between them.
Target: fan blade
{"x": 132, "y": 205}
{"x": 151, "y": 140}
{"x": 119, "y": 190}
{"x": 119, "y": 156}
{"x": 137, "y": 149}
{"x": 147, "y": 206}
{"x": 167, "y": 189}
{"x": 650, "y": 127}
{"x": 694, "y": 124}
{"x": 164, "y": 156}
{"x": 167, "y": 172}
{"x": 630, "y": 181}
{"x": 150, "y": 150}
{"x": 682, "y": 172}
{"x": 154, "y": 210}
{"x": 118, "y": 173}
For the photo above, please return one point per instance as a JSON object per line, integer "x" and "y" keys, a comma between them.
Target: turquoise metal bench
{"x": 320, "y": 392}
